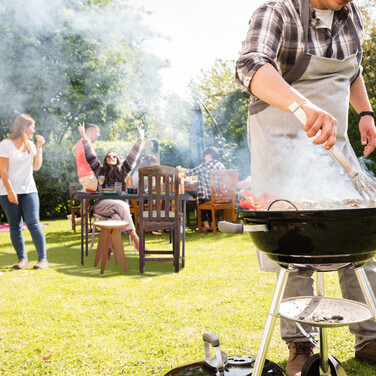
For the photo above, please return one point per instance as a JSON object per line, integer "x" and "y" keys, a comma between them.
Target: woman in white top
{"x": 18, "y": 193}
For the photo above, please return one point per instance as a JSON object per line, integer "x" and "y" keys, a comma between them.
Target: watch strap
{"x": 371, "y": 113}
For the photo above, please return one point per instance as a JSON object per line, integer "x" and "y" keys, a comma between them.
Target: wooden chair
{"x": 74, "y": 205}
{"x": 223, "y": 190}
{"x": 110, "y": 237}
{"x": 133, "y": 208}
{"x": 163, "y": 214}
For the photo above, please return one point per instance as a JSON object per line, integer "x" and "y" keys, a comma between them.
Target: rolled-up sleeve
{"x": 261, "y": 46}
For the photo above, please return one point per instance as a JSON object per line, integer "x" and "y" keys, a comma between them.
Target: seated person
{"x": 114, "y": 171}
{"x": 211, "y": 155}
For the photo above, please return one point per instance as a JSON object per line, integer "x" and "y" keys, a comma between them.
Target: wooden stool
{"x": 110, "y": 232}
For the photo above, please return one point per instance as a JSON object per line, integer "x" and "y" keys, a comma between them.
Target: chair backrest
{"x": 223, "y": 185}
{"x": 73, "y": 189}
{"x": 161, "y": 196}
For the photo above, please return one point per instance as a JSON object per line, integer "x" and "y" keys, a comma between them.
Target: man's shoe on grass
{"x": 41, "y": 264}
{"x": 22, "y": 264}
{"x": 299, "y": 354}
{"x": 367, "y": 353}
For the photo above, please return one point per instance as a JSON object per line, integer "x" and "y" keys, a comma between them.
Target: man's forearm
{"x": 268, "y": 85}
{"x": 359, "y": 97}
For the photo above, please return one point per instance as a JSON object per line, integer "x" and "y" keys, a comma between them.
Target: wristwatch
{"x": 371, "y": 113}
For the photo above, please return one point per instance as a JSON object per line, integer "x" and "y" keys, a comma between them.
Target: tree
{"x": 228, "y": 105}
{"x": 70, "y": 64}
{"x": 368, "y": 63}
{"x": 70, "y": 61}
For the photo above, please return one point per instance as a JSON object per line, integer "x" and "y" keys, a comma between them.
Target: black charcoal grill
{"x": 319, "y": 240}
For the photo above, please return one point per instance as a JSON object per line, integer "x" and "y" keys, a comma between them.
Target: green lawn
{"x": 70, "y": 320}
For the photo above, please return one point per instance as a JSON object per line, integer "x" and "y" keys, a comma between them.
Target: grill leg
{"x": 270, "y": 322}
{"x": 324, "y": 357}
{"x": 367, "y": 291}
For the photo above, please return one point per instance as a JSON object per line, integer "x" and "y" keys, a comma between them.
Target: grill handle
{"x": 238, "y": 228}
{"x": 220, "y": 359}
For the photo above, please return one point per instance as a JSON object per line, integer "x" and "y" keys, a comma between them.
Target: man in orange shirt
{"x": 86, "y": 175}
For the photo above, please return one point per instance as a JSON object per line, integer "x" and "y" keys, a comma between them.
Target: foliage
{"x": 215, "y": 83}
{"x": 172, "y": 154}
{"x": 368, "y": 63}
{"x": 176, "y": 121}
{"x": 69, "y": 64}
{"x": 228, "y": 105}
{"x": 70, "y": 320}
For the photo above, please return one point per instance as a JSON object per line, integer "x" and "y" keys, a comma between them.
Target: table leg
{"x": 183, "y": 243}
{"x": 83, "y": 213}
{"x": 86, "y": 204}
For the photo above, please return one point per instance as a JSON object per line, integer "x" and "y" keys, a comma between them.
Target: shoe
{"x": 299, "y": 354}
{"x": 367, "y": 353}
{"x": 156, "y": 232}
{"x": 23, "y": 263}
{"x": 203, "y": 230}
{"x": 41, "y": 264}
{"x": 91, "y": 231}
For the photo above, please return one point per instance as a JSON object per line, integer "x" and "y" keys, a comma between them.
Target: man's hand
{"x": 368, "y": 134}
{"x": 318, "y": 119}
{"x": 81, "y": 129}
{"x": 141, "y": 132}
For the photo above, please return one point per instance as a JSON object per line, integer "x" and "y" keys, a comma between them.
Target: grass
{"x": 70, "y": 320}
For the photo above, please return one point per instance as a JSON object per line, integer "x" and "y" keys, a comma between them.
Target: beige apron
{"x": 285, "y": 163}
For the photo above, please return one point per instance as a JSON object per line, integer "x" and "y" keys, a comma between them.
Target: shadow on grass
{"x": 64, "y": 254}
{"x": 69, "y": 260}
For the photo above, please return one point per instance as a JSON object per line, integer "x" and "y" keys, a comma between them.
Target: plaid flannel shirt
{"x": 275, "y": 36}
{"x": 203, "y": 172}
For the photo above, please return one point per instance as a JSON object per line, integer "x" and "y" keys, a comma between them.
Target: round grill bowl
{"x": 333, "y": 236}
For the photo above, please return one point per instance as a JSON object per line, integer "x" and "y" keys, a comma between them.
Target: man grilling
{"x": 308, "y": 52}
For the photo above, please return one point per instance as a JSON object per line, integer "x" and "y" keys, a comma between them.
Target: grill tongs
{"x": 362, "y": 182}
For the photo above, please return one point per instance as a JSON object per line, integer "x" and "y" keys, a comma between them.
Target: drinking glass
{"x": 101, "y": 181}
{"x": 118, "y": 186}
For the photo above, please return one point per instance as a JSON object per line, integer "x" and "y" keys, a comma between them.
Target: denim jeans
{"x": 27, "y": 210}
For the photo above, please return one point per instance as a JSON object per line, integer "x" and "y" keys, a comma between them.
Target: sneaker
{"x": 23, "y": 263}
{"x": 41, "y": 264}
{"x": 90, "y": 232}
{"x": 156, "y": 232}
{"x": 367, "y": 353}
{"x": 299, "y": 354}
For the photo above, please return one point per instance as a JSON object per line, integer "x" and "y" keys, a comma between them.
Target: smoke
{"x": 297, "y": 170}
{"x": 49, "y": 48}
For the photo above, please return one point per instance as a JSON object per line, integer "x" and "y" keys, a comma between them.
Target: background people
{"x": 85, "y": 174}
{"x": 309, "y": 52}
{"x": 18, "y": 193}
{"x": 114, "y": 171}
{"x": 211, "y": 155}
